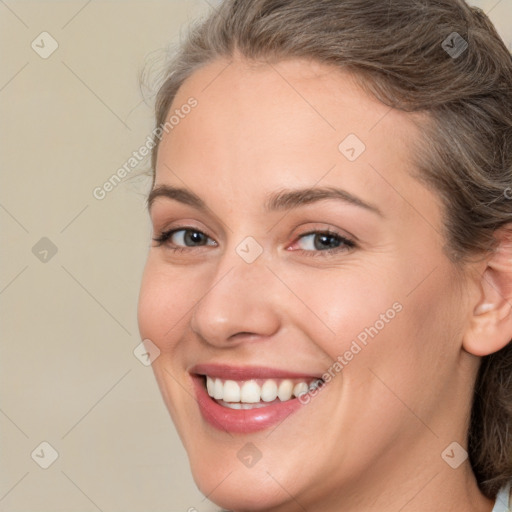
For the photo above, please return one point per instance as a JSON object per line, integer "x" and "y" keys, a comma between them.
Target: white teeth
{"x": 210, "y": 386}
{"x": 231, "y": 391}
{"x": 300, "y": 388}
{"x": 218, "y": 390}
{"x": 269, "y": 391}
{"x": 285, "y": 390}
{"x": 238, "y": 405}
{"x": 250, "y": 392}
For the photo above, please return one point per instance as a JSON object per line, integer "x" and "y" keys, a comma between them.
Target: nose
{"x": 240, "y": 303}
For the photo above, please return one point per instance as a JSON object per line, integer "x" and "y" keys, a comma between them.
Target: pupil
{"x": 325, "y": 241}
{"x": 194, "y": 237}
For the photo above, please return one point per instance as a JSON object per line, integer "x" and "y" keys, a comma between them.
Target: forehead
{"x": 286, "y": 123}
{"x": 314, "y": 88}
{"x": 273, "y": 98}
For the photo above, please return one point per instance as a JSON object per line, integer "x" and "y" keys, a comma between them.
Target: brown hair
{"x": 405, "y": 53}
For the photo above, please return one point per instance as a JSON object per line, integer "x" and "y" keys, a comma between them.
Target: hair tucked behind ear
{"x": 490, "y": 439}
{"x": 396, "y": 50}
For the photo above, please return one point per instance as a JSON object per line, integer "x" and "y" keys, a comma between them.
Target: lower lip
{"x": 242, "y": 421}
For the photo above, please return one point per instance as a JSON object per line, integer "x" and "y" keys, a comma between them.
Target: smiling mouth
{"x": 246, "y": 400}
{"x": 257, "y": 393}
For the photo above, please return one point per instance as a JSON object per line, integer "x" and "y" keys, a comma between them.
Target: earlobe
{"x": 490, "y": 327}
{"x": 482, "y": 308}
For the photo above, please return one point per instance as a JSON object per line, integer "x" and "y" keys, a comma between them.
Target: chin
{"x": 242, "y": 490}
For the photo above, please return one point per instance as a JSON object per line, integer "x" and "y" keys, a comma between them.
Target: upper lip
{"x": 224, "y": 371}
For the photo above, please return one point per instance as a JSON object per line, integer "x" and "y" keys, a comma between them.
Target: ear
{"x": 490, "y": 328}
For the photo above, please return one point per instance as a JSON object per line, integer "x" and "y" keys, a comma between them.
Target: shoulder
{"x": 503, "y": 499}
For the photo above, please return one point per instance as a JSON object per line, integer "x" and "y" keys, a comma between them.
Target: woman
{"x": 330, "y": 283}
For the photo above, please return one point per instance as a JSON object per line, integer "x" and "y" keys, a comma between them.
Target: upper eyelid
{"x": 157, "y": 218}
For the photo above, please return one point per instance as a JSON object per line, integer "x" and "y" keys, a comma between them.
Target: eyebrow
{"x": 286, "y": 199}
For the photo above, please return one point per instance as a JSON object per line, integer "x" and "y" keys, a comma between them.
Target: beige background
{"x": 68, "y": 324}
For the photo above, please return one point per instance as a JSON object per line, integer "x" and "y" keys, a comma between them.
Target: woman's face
{"x": 298, "y": 253}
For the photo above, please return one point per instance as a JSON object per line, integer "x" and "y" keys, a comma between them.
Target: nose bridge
{"x": 239, "y": 297}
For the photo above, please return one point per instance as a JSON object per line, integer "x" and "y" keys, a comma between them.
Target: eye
{"x": 316, "y": 243}
{"x": 327, "y": 241}
{"x": 183, "y": 238}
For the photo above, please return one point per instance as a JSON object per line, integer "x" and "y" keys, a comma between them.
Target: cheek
{"x": 164, "y": 300}
{"x": 370, "y": 321}
{"x": 343, "y": 305}
{"x": 412, "y": 359}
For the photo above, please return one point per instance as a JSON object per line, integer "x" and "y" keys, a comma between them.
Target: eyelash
{"x": 347, "y": 244}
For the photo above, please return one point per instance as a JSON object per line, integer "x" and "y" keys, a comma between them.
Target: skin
{"x": 372, "y": 439}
